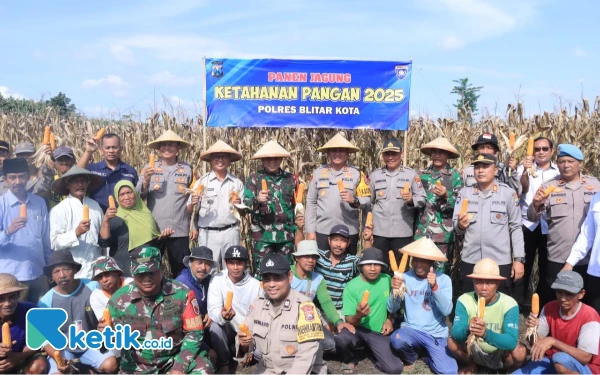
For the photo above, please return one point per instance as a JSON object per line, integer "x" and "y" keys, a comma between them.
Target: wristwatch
{"x": 356, "y": 202}
{"x": 522, "y": 260}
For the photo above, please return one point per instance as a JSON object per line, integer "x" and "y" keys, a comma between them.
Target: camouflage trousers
{"x": 261, "y": 249}
{"x": 445, "y": 267}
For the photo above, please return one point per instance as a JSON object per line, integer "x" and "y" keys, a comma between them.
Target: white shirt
{"x": 589, "y": 239}
{"x": 64, "y": 219}
{"x": 534, "y": 184}
{"x": 244, "y": 293}
{"x": 214, "y": 206}
{"x": 99, "y": 299}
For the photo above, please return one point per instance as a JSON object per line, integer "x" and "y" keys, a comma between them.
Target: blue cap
{"x": 570, "y": 150}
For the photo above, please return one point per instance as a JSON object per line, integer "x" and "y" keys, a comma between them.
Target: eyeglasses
{"x": 538, "y": 149}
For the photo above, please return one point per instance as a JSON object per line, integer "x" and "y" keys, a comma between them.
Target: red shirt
{"x": 569, "y": 330}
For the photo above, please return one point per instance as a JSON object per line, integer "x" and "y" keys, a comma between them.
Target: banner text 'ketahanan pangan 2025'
{"x": 308, "y": 93}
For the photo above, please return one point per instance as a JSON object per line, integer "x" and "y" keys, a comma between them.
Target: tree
{"x": 61, "y": 103}
{"x": 468, "y": 95}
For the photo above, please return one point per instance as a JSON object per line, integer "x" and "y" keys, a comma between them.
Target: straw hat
{"x": 60, "y": 187}
{"x": 271, "y": 149}
{"x": 441, "y": 143}
{"x": 339, "y": 142}
{"x": 168, "y": 136}
{"x": 221, "y": 147}
{"x": 424, "y": 248}
{"x": 486, "y": 269}
{"x": 9, "y": 284}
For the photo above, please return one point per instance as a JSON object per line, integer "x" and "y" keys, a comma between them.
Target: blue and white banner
{"x": 308, "y": 93}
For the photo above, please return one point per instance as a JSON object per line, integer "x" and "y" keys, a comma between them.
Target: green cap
{"x": 145, "y": 259}
{"x": 104, "y": 264}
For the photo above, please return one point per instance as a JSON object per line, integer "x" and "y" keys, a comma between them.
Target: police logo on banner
{"x": 217, "y": 69}
{"x": 401, "y": 71}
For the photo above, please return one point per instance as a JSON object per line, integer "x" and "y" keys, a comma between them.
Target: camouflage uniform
{"x": 435, "y": 219}
{"x": 172, "y": 313}
{"x": 273, "y": 223}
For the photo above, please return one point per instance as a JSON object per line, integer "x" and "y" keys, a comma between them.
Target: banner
{"x": 308, "y": 93}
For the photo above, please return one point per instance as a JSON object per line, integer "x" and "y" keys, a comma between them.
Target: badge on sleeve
{"x": 309, "y": 323}
{"x": 192, "y": 321}
{"x": 418, "y": 182}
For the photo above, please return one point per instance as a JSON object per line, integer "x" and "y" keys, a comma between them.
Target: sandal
{"x": 348, "y": 368}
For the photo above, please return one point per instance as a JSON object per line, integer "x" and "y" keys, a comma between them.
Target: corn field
{"x": 579, "y": 126}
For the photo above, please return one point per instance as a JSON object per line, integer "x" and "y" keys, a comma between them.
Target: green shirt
{"x": 322, "y": 296}
{"x": 379, "y": 292}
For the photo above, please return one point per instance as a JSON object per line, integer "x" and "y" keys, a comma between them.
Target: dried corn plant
{"x": 579, "y": 128}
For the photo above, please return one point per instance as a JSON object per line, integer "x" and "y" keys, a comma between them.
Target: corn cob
{"x": 23, "y": 211}
{"x": 229, "y": 300}
{"x": 100, "y": 134}
{"x": 6, "y": 338}
{"x": 86, "y": 212}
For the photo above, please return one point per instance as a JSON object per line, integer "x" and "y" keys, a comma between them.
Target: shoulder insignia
{"x": 192, "y": 321}
{"x": 309, "y": 326}
{"x": 418, "y": 181}
{"x": 287, "y": 304}
{"x": 590, "y": 187}
{"x": 495, "y": 188}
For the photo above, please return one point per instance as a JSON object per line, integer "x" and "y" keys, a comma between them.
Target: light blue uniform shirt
{"x": 25, "y": 253}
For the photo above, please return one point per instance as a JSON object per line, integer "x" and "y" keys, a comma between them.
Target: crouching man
{"x": 159, "y": 308}
{"x": 491, "y": 341}
{"x": 285, "y": 326}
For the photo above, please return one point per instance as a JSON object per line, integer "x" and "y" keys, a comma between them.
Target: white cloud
{"x": 122, "y": 54}
{"x": 167, "y": 78}
{"x": 580, "y": 52}
{"x": 451, "y": 42}
{"x": 173, "y": 47}
{"x": 115, "y": 83}
{"x": 7, "y": 93}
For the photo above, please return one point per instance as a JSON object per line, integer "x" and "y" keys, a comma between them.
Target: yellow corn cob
{"x": 393, "y": 263}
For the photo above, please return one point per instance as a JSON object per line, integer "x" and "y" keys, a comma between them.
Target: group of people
{"x": 310, "y": 294}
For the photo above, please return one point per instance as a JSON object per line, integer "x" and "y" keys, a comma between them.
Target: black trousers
{"x": 466, "y": 284}
{"x": 534, "y": 241}
{"x": 176, "y": 249}
{"x": 323, "y": 243}
{"x": 386, "y": 244}
{"x": 592, "y": 291}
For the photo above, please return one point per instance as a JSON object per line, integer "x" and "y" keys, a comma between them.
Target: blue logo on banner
{"x": 401, "y": 71}
{"x": 217, "y": 69}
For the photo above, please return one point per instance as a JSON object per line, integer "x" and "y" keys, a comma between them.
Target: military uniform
{"x": 393, "y": 218}
{"x": 325, "y": 208}
{"x": 172, "y": 313}
{"x": 167, "y": 200}
{"x": 288, "y": 334}
{"x": 435, "y": 218}
{"x": 273, "y": 223}
{"x": 214, "y": 217}
{"x": 495, "y": 228}
{"x": 565, "y": 211}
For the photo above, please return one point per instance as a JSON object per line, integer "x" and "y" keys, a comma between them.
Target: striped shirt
{"x": 337, "y": 277}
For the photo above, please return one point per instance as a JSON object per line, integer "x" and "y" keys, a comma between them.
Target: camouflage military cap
{"x": 104, "y": 264}
{"x": 145, "y": 259}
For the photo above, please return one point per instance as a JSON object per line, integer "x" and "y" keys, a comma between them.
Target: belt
{"x": 218, "y": 229}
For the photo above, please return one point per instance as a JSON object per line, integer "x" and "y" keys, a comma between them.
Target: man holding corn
{"x": 564, "y": 201}
{"x": 491, "y": 223}
{"x": 273, "y": 228}
{"x": 333, "y": 197}
{"x": 441, "y": 183}
{"x": 396, "y": 193}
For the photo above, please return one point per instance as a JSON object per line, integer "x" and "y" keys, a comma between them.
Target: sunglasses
{"x": 538, "y": 149}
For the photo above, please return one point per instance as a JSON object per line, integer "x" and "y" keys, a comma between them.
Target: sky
{"x": 119, "y": 57}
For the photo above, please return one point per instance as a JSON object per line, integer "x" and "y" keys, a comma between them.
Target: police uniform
{"x": 393, "y": 218}
{"x": 325, "y": 208}
{"x": 495, "y": 227}
{"x": 167, "y": 200}
{"x": 214, "y": 218}
{"x": 565, "y": 209}
{"x": 288, "y": 335}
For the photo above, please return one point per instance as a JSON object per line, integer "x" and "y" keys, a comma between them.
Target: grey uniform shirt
{"x": 214, "y": 209}
{"x": 565, "y": 212}
{"x": 166, "y": 196}
{"x": 495, "y": 224}
{"x": 392, "y": 216}
{"x": 274, "y": 333}
{"x": 502, "y": 176}
{"x": 324, "y": 206}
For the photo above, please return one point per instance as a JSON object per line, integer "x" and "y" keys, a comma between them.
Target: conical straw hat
{"x": 220, "y": 147}
{"x": 339, "y": 141}
{"x": 486, "y": 269}
{"x": 271, "y": 149}
{"x": 424, "y": 248}
{"x": 168, "y": 136}
{"x": 440, "y": 143}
